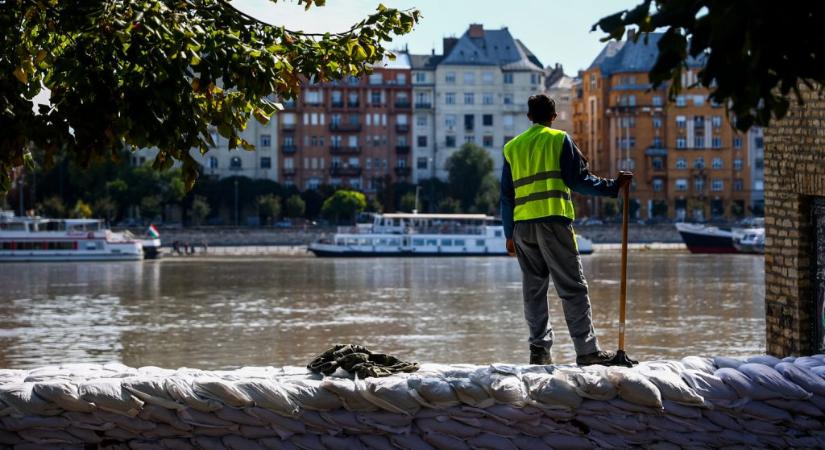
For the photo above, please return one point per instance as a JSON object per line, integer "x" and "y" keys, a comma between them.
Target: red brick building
{"x": 354, "y": 132}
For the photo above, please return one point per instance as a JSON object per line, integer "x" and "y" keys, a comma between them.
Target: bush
{"x": 269, "y": 208}
{"x": 344, "y": 205}
{"x": 200, "y": 210}
{"x": 52, "y": 207}
{"x": 449, "y": 205}
{"x": 295, "y": 206}
{"x": 82, "y": 209}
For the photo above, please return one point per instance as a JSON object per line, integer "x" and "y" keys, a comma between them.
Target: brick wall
{"x": 794, "y": 174}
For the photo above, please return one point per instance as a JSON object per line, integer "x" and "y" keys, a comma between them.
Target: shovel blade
{"x": 621, "y": 359}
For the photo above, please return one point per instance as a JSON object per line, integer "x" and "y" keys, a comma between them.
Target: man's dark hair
{"x": 541, "y": 108}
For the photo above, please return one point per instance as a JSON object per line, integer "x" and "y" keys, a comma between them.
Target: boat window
{"x": 381, "y": 241}
{"x": 13, "y": 226}
{"x": 418, "y": 242}
{"x": 446, "y": 242}
{"x": 459, "y": 242}
{"x": 498, "y": 233}
{"x": 364, "y": 241}
{"x": 480, "y": 242}
{"x": 395, "y": 242}
{"x": 62, "y": 245}
{"x": 7, "y": 246}
{"x": 352, "y": 241}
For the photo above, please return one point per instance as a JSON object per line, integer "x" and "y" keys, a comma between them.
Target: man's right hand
{"x": 624, "y": 179}
{"x": 511, "y": 247}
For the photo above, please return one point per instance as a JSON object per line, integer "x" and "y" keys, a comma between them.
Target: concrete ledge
{"x": 695, "y": 402}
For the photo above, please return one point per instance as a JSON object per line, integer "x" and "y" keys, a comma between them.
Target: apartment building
{"x": 354, "y": 132}
{"x": 423, "y": 134}
{"x": 561, "y": 91}
{"x": 482, "y": 84}
{"x": 690, "y": 164}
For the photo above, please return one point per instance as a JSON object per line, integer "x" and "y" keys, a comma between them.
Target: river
{"x": 231, "y": 312}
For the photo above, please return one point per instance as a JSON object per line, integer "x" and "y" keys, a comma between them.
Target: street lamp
{"x": 236, "y": 202}
{"x": 20, "y": 194}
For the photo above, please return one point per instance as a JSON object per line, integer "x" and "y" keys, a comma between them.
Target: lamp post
{"x": 20, "y": 194}
{"x": 236, "y": 202}
{"x": 417, "y": 188}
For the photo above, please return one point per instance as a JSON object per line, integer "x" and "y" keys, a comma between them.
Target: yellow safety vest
{"x": 534, "y": 162}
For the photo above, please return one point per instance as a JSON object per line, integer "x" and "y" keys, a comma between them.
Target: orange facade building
{"x": 690, "y": 164}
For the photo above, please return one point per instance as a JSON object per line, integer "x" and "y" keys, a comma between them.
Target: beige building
{"x": 561, "y": 91}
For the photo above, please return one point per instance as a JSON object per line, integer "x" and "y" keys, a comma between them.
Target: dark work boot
{"x": 540, "y": 356}
{"x": 601, "y": 357}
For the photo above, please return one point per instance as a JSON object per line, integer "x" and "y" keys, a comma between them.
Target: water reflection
{"x": 220, "y": 313}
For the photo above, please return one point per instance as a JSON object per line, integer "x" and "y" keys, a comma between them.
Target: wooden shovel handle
{"x": 623, "y": 293}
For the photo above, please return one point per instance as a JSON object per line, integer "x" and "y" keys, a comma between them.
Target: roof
{"x": 401, "y": 61}
{"x": 563, "y": 82}
{"x": 493, "y": 48}
{"x": 425, "y": 62}
{"x": 629, "y": 56}
{"x": 437, "y": 216}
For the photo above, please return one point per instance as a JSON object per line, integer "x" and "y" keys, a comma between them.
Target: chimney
{"x": 476, "y": 30}
{"x": 449, "y": 43}
{"x": 631, "y": 34}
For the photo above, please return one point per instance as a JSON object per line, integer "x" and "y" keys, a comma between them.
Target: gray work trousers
{"x": 546, "y": 250}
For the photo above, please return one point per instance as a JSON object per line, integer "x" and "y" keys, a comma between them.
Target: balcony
{"x": 313, "y": 104}
{"x": 340, "y": 150}
{"x": 423, "y": 105}
{"x": 336, "y": 104}
{"x": 287, "y": 126}
{"x": 288, "y": 171}
{"x": 402, "y": 127}
{"x": 403, "y": 171}
{"x": 345, "y": 171}
{"x": 353, "y": 104}
{"x": 402, "y": 149}
{"x": 402, "y": 104}
{"x": 347, "y": 127}
{"x": 656, "y": 151}
{"x": 288, "y": 149}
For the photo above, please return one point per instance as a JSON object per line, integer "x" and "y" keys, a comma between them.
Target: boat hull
{"x": 70, "y": 258}
{"x": 700, "y": 239}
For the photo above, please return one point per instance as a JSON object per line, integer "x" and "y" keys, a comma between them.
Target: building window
{"x": 658, "y": 164}
{"x": 758, "y": 142}
{"x": 738, "y": 185}
{"x": 469, "y": 78}
{"x": 681, "y": 184}
{"x": 449, "y": 77}
{"x": 699, "y": 122}
{"x": 698, "y": 100}
{"x": 535, "y": 78}
{"x": 487, "y": 141}
{"x": 627, "y": 122}
{"x": 716, "y": 121}
{"x": 420, "y": 77}
{"x": 698, "y": 184}
{"x": 266, "y": 140}
{"x": 449, "y": 121}
{"x": 401, "y": 78}
{"x": 507, "y": 99}
{"x": 737, "y": 164}
{"x": 592, "y": 81}
{"x": 680, "y": 101}
{"x": 627, "y": 164}
{"x": 421, "y": 120}
{"x": 681, "y": 163}
{"x": 487, "y": 77}
{"x": 681, "y": 121}
{"x": 658, "y": 185}
{"x": 699, "y": 141}
{"x": 421, "y": 163}
{"x": 508, "y": 78}
{"x": 213, "y": 162}
{"x": 657, "y": 122}
{"x": 235, "y": 163}
{"x": 657, "y": 142}
{"x": 487, "y": 120}
{"x": 422, "y": 141}
{"x": 449, "y": 98}
{"x": 631, "y": 100}
{"x": 759, "y": 163}
{"x": 469, "y": 122}
{"x": 716, "y": 163}
{"x": 469, "y": 98}
{"x": 469, "y": 139}
{"x": 717, "y": 142}
{"x": 737, "y": 142}
{"x": 699, "y": 163}
{"x": 507, "y": 121}
{"x": 376, "y": 78}
{"x": 375, "y": 97}
{"x": 449, "y": 142}
{"x": 266, "y": 162}
{"x": 487, "y": 98}
{"x": 717, "y": 185}
{"x": 656, "y": 100}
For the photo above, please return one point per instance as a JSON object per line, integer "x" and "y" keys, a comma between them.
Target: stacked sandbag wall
{"x": 695, "y": 402}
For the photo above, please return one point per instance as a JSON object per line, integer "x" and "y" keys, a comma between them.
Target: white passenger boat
{"x": 41, "y": 239}
{"x": 412, "y": 234}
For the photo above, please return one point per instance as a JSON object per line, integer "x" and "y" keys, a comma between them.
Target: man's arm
{"x": 577, "y": 176}
{"x": 508, "y": 200}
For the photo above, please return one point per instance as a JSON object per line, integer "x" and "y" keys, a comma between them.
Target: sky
{"x": 556, "y": 31}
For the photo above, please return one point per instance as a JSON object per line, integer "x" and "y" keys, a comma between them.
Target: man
{"x": 541, "y": 167}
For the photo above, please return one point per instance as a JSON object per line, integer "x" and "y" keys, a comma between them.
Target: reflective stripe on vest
{"x": 534, "y": 158}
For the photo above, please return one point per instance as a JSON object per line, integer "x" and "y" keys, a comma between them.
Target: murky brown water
{"x": 223, "y": 313}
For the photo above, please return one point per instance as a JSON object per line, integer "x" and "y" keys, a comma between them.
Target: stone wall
{"x": 794, "y": 176}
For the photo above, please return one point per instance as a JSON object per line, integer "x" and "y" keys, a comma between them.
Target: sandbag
{"x": 634, "y": 388}
{"x": 22, "y": 398}
{"x": 346, "y": 390}
{"x": 433, "y": 392}
{"x": 672, "y": 387}
{"x": 744, "y": 386}
{"x": 63, "y": 394}
{"x": 552, "y": 390}
{"x": 471, "y": 393}
{"x": 388, "y": 393}
{"x": 802, "y": 376}
{"x": 592, "y": 384}
{"x": 773, "y": 381}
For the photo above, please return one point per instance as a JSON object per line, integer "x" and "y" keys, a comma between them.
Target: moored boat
{"x": 40, "y": 239}
{"x": 706, "y": 238}
{"x": 151, "y": 243}
{"x": 749, "y": 240}
{"x": 412, "y": 234}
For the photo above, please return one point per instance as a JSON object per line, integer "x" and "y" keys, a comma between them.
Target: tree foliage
{"x": 754, "y": 52}
{"x": 344, "y": 205}
{"x": 199, "y": 210}
{"x": 159, "y": 73}
{"x": 295, "y": 206}
{"x": 269, "y": 208}
{"x": 468, "y": 168}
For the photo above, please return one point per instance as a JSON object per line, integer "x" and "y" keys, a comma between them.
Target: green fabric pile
{"x": 360, "y": 361}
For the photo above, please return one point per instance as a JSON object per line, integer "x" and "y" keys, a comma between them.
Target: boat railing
{"x": 445, "y": 228}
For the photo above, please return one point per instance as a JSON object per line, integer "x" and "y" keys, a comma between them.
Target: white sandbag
{"x": 28, "y": 422}
{"x": 222, "y": 391}
{"x": 238, "y": 416}
{"x": 552, "y": 390}
{"x": 709, "y": 386}
{"x": 802, "y": 376}
{"x": 270, "y": 395}
{"x": 410, "y": 442}
{"x": 22, "y": 398}
{"x": 342, "y": 443}
{"x": 672, "y": 408}
{"x": 435, "y": 392}
{"x": 634, "y": 388}
{"x": 723, "y": 361}
{"x": 309, "y": 394}
{"x": 492, "y": 442}
{"x": 671, "y": 386}
{"x": 509, "y": 415}
{"x": 447, "y": 426}
{"x": 241, "y": 443}
{"x": 592, "y": 384}
{"x": 108, "y": 395}
{"x": 306, "y": 441}
{"x": 471, "y": 393}
{"x": 278, "y": 444}
{"x": 809, "y": 361}
{"x": 508, "y": 389}
{"x": 699, "y": 363}
{"x": 159, "y": 414}
{"x": 345, "y": 420}
{"x": 48, "y": 437}
{"x": 85, "y": 436}
{"x": 385, "y": 421}
{"x": 209, "y": 443}
{"x": 181, "y": 390}
{"x": 254, "y": 432}
{"x": 374, "y": 442}
{"x": 528, "y": 442}
{"x": 285, "y": 426}
{"x": 796, "y": 406}
{"x": 63, "y": 394}
{"x": 164, "y": 431}
{"x": 346, "y": 391}
{"x": 490, "y": 425}
{"x": 774, "y": 381}
{"x": 444, "y": 442}
{"x": 767, "y": 360}
{"x": 152, "y": 391}
{"x": 176, "y": 444}
{"x": 132, "y": 423}
{"x": 388, "y": 393}
{"x": 205, "y": 420}
{"x": 744, "y": 386}
{"x": 567, "y": 442}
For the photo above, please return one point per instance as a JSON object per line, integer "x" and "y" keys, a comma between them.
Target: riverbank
{"x": 215, "y": 237}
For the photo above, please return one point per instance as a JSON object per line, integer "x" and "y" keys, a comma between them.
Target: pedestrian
{"x": 541, "y": 167}
{"x": 176, "y": 247}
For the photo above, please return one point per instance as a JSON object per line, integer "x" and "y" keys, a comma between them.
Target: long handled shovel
{"x": 621, "y": 358}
